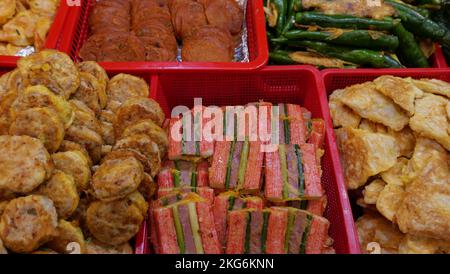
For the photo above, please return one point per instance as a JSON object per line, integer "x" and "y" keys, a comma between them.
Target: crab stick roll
{"x": 276, "y": 231}
{"x": 165, "y": 229}
{"x": 317, "y": 134}
{"x": 210, "y": 240}
{"x": 236, "y": 233}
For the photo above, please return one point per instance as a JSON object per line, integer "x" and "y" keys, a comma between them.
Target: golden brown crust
{"x": 67, "y": 235}
{"x": 75, "y": 164}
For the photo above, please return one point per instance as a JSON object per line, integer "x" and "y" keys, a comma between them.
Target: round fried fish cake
{"x": 136, "y": 109}
{"x": 3, "y": 205}
{"x": 51, "y": 68}
{"x": 99, "y": 73}
{"x": 15, "y": 81}
{"x": 69, "y": 145}
{"x": 75, "y": 164}
{"x": 107, "y": 132}
{"x": 67, "y": 233}
{"x": 147, "y": 187}
{"x": 84, "y": 116}
{"x": 107, "y": 115}
{"x": 89, "y": 139}
{"x": 152, "y": 130}
{"x": 145, "y": 146}
{"x": 117, "y": 178}
{"x": 88, "y": 91}
{"x": 5, "y": 114}
{"x": 114, "y": 222}
{"x": 94, "y": 246}
{"x": 186, "y": 17}
{"x": 24, "y": 163}
{"x": 41, "y": 123}
{"x": 124, "y": 86}
{"x": 27, "y": 223}
{"x": 62, "y": 190}
{"x": 40, "y": 96}
{"x": 128, "y": 152}
{"x": 226, "y": 14}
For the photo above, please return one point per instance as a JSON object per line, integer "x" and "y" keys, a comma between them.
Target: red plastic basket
{"x": 77, "y": 26}
{"x": 295, "y": 84}
{"x": 52, "y": 37}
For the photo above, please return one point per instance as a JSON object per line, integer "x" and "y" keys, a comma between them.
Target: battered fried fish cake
{"x": 79, "y": 216}
{"x": 27, "y": 223}
{"x": 208, "y": 44}
{"x": 430, "y": 119}
{"x": 62, "y": 190}
{"x": 341, "y": 114}
{"x": 136, "y": 109}
{"x": 389, "y": 200}
{"x": 226, "y": 14}
{"x": 67, "y": 233}
{"x": 396, "y": 174}
{"x": 405, "y": 140}
{"x": 84, "y": 117}
{"x": 75, "y": 164}
{"x": 368, "y": 103}
{"x": 187, "y": 16}
{"x": 89, "y": 91}
{"x": 373, "y": 227}
{"x": 99, "y": 73}
{"x": 41, "y": 123}
{"x": 7, "y": 11}
{"x": 146, "y": 147}
{"x": 107, "y": 115}
{"x": 15, "y": 81}
{"x": 89, "y": 139}
{"x": 117, "y": 178}
{"x": 116, "y": 222}
{"x": 364, "y": 154}
{"x": 152, "y": 130}
{"x": 51, "y": 68}
{"x": 425, "y": 210}
{"x": 69, "y": 145}
{"x": 128, "y": 152}
{"x": 434, "y": 86}
{"x": 3, "y": 205}
{"x": 418, "y": 245}
{"x": 5, "y": 114}
{"x": 372, "y": 126}
{"x": 123, "y": 87}
{"x": 94, "y": 246}
{"x": 40, "y": 96}
{"x": 147, "y": 187}
{"x": 2, "y": 248}
{"x": 401, "y": 91}
{"x": 372, "y": 191}
{"x": 24, "y": 163}
{"x": 107, "y": 133}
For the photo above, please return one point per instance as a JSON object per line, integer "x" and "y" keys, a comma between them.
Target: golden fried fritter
{"x": 434, "y": 86}
{"x": 372, "y": 191}
{"x": 100, "y": 74}
{"x": 430, "y": 119}
{"x": 67, "y": 233}
{"x": 5, "y": 113}
{"x": 152, "y": 130}
{"x": 89, "y": 139}
{"x": 116, "y": 222}
{"x": 7, "y": 10}
{"x": 40, "y": 96}
{"x": 41, "y": 123}
{"x": 107, "y": 132}
{"x": 389, "y": 200}
{"x": 147, "y": 187}
{"x": 75, "y": 164}
{"x": 369, "y": 103}
{"x": 62, "y": 190}
{"x": 364, "y": 154}
{"x": 27, "y": 223}
{"x": 341, "y": 114}
{"x": 117, "y": 178}
{"x": 15, "y": 81}
{"x": 418, "y": 245}
{"x": 94, "y": 246}
{"x": 136, "y": 109}
{"x": 51, "y": 68}
{"x": 396, "y": 174}
{"x": 400, "y": 90}
{"x": 123, "y": 87}
{"x": 24, "y": 163}
{"x": 145, "y": 145}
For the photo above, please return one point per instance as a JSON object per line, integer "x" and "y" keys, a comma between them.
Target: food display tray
{"x": 295, "y": 84}
{"x": 52, "y": 37}
{"x": 77, "y": 32}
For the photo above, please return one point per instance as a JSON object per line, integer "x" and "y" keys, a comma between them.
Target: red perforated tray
{"x": 295, "y": 84}
{"x": 52, "y": 37}
{"x": 77, "y": 32}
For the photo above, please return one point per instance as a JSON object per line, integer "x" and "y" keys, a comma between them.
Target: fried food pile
{"x": 25, "y": 23}
{"x": 147, "y": 30}
{"x": 393, "y": 136}
{"x": 78, "y": 153}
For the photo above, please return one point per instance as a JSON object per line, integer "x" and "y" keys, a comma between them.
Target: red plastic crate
{"x": 295, "y": 84}
{"x": 52, "y": 37}
{"x": 77, "y": 33}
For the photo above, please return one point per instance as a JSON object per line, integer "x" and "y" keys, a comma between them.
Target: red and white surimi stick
{"x": 297, "y": 124}
{"x": 313, "y": 185}
{"x": 175, "y": 146}
{"x": 252, "y": 181}
{"x": 237, "y": 224}
{"x": 208, "y": 231}
{"x": 317, "y": 133}
{"x": 165, "y": 229}
{"x": 218, "y": 169}
{"x": 276, "y": 231}
{"x": 202, "y": 174}
{"x": 274, "y": 181}
{"x": 317, "y": 207}
{"x": 254, "y": 203}
{"x": 318, "y": 235}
